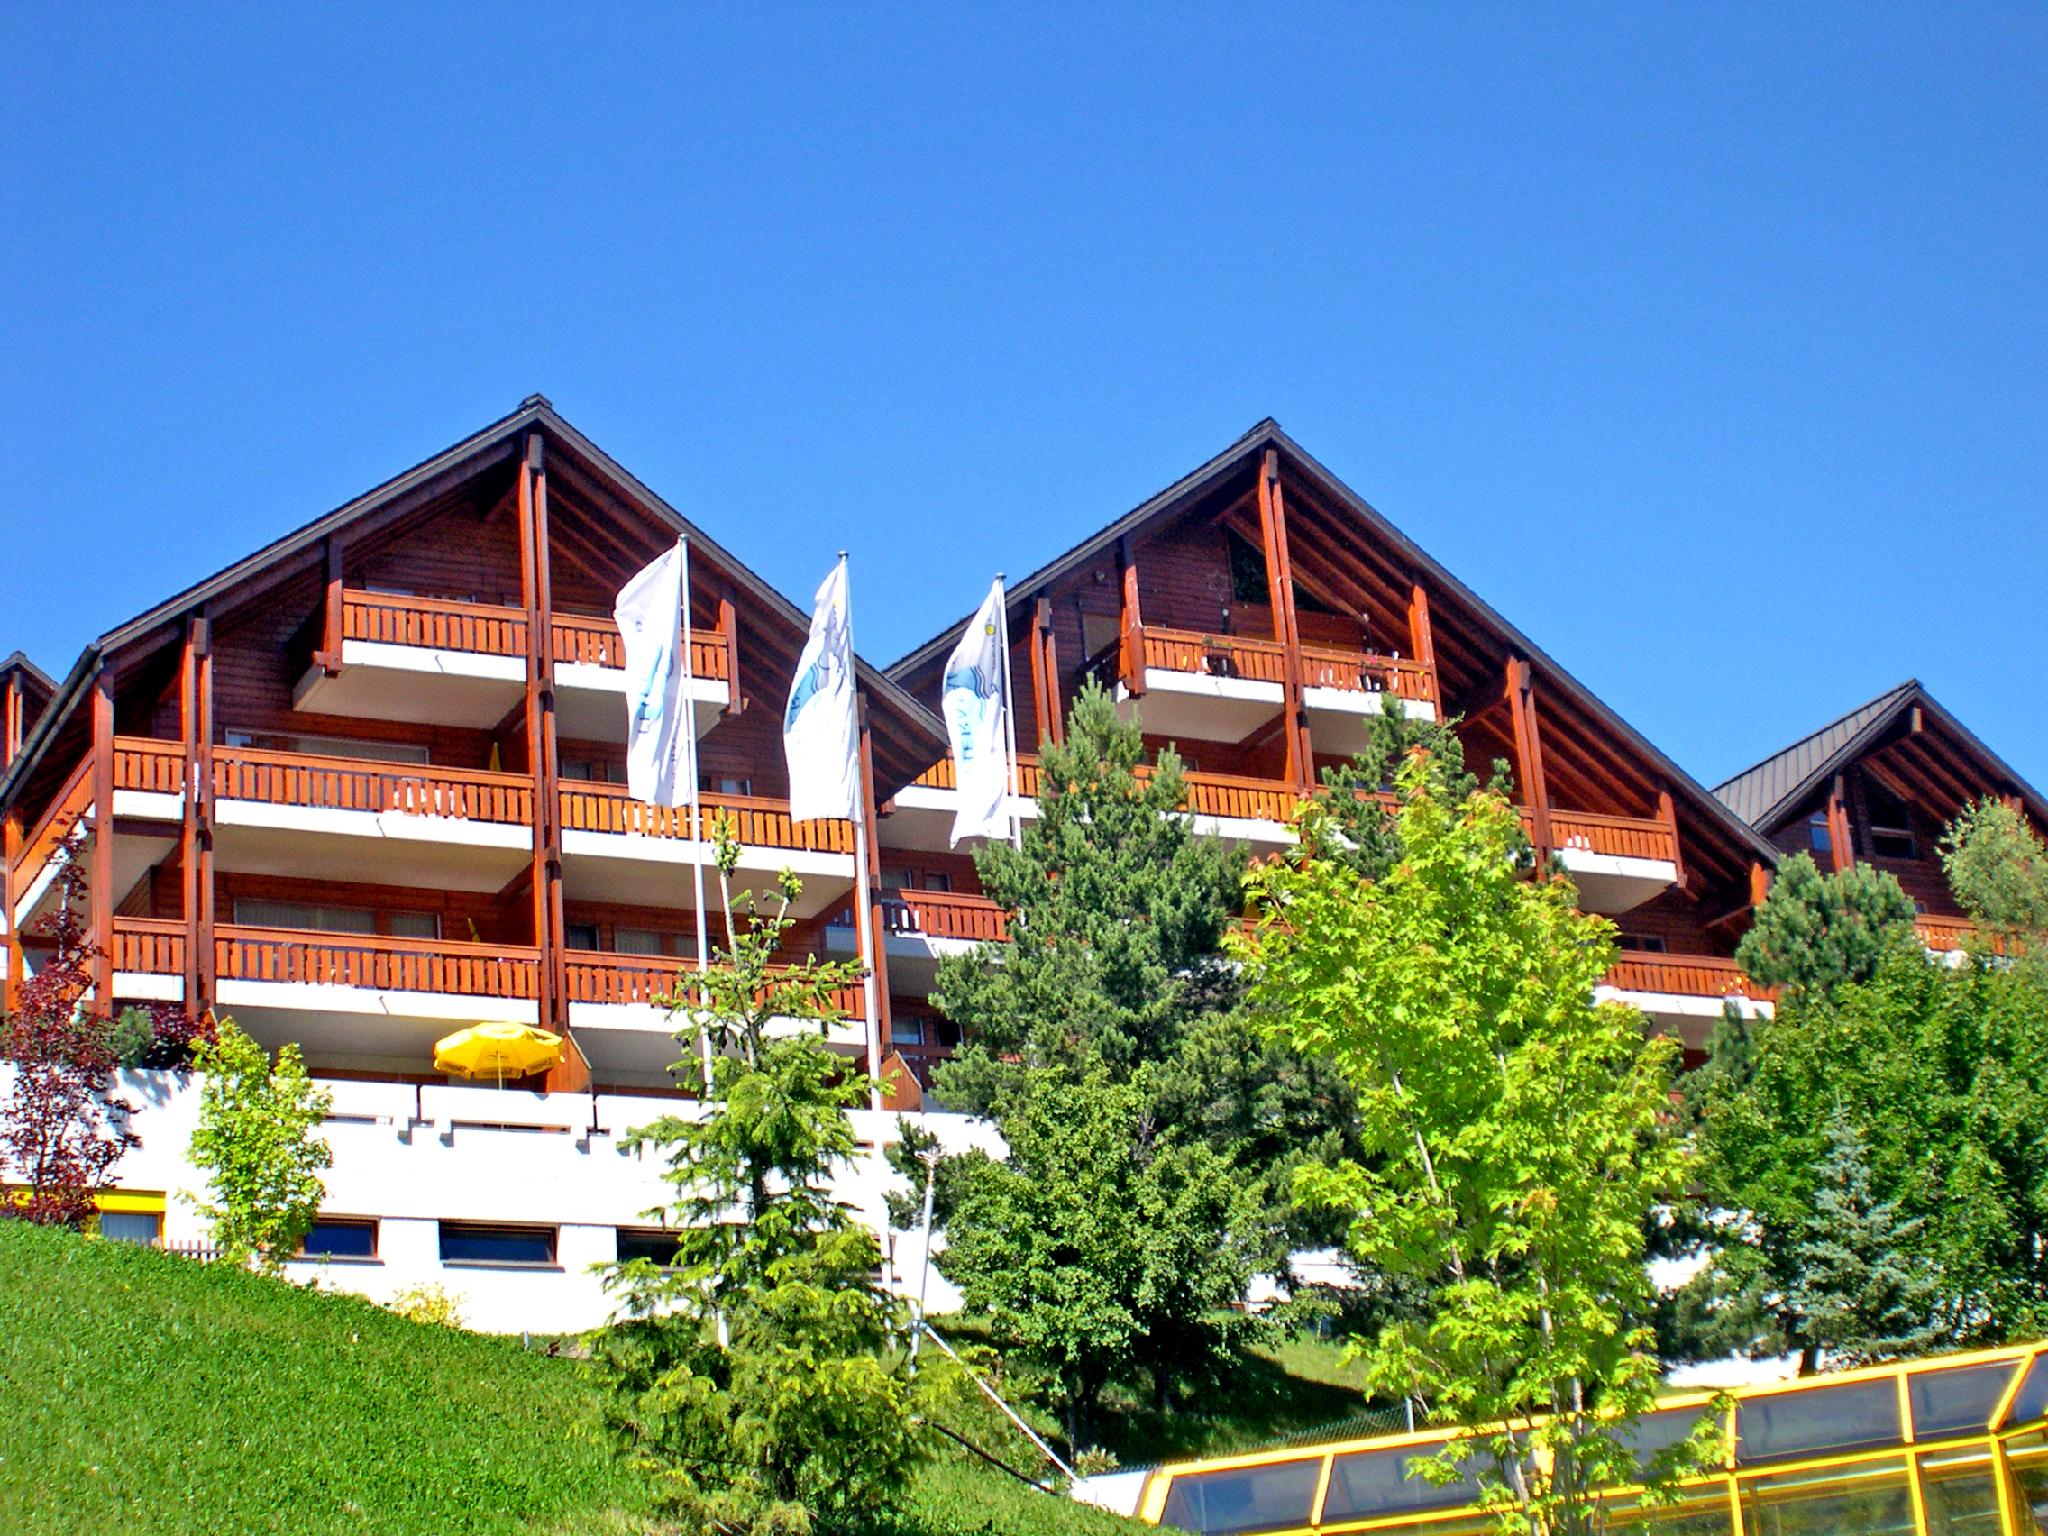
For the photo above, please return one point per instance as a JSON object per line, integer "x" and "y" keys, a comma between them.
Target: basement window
{"x": 649, "y": 1243}
{"x": 347, "y": 1238}
{"x": 468, "y": 1242}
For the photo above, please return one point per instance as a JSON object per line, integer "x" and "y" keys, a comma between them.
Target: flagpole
{"x": 864, "y": 909}
{"x": 1010, "y": 724}
{"x": 688, "y": 722}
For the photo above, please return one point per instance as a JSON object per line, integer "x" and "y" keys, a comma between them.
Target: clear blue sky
{"x": 1709, "y": 343}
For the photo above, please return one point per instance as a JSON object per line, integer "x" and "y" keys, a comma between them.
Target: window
{"x": 937, "y": 880}
{"x": 1817, "y": 1421}
{"x": 593, "y": 770}
{"x": 331, "y": 746}
{"x": 142, "y": 1228}
{"x": 415, "y": 925}
{"x": 725, "y": 784}
{"x": 1818, "y": 838}
{"x": 905, "y": 1031}
{"x": 253, "y": 913}
{"x": 464, "y": 1242}
{"x": 640, "y": 941}
{"x": 1272, "y": 1498}
{"x": 647, "y": 1243}
{"x": 1956, "y": 1401}
{"x": 1248, "y": 583}
{"x": 1891, "y": 822}
{"x": 1641, "y": 943}
{"x": 580, "y": 935}
{"x": 340, "y": 1237}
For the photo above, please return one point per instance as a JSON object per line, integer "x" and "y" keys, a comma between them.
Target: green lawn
{"x": 145, "y": 1393}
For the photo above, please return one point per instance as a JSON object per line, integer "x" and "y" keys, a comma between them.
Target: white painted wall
{"x": 413, "y": 1156}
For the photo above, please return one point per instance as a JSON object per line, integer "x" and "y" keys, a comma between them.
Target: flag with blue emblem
{"x": 821, "y": 729}
{"x": 972, "y": 698}
{"x": 661, "y": 738}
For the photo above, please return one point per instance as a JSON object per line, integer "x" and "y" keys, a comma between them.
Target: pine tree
{"x": 1863, "y": 1292}
{"x": 1817, "y": 932}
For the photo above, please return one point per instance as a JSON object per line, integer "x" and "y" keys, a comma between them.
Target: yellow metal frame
{"x": 1908, "y": 1452}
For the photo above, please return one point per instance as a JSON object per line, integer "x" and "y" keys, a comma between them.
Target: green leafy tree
{"x": 258, "y": 1144}
{"x": 1514, "y": 1135}
{"x": 762, "y": 1375}
{"x": 1863, "y": 1287}
{"x": 1998, "y": 871}
{"x": 1815, "y": 932}
{"x": 1097, "y": 1247}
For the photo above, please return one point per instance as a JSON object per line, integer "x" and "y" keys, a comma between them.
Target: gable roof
{"x": 17, "y": 661}
{"x": 1190, "y": 488}
{"x": 500, "y": 440}
{"x": 1769, "y": 792}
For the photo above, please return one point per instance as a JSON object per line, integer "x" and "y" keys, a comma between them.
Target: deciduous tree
{"x": 257, "y": 1141}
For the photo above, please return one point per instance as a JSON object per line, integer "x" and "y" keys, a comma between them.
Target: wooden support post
{"x": 1286, "y": 626}
{"x": 1053, "y": 722}
{"x": 331, "y": 625}
{"x": 188, "y": 831}
{"x": 101, "y": 871}
{"x": 544, "y": 748}
{"x": 1521, "y": 691}
{"x": 538, "y": 642}
{"x": 729, "y": 626}
{"x": 878, "y": 962}
{"x": 200, "y": 936}
{"x": 1839, "y": 842}
{"x": 1759, "y": 885}
{"x": 13, "y": 720}
{"x": 1131, "y": 626}
{"x": 11, "y": 836}
{"x": 1421, "y": 639}
{"x": 1040, "y": 713}
{"x": 1667, "y": 812}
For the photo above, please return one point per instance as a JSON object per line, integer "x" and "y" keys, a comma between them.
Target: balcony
{"x": 1203, "y": 687}
{"x": 1684, "y": 994}
{"x": 619, "y": 849}
{"x": 619, "y": 1012}
{"x": 1944, "y": 935}
{"x": 920, "y": 928}
{"x": 429, "y": 661}
{"x": 380, "y": 1003}
{"x": 1244, "y": 810}
{"x": 1617, "y": 862}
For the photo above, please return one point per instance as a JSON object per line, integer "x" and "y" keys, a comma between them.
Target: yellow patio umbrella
{"x": 497, "y": 1051}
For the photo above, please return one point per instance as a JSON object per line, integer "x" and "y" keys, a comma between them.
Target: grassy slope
{"x": 144, "y": 1393}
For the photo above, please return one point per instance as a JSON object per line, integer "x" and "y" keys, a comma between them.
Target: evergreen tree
{"x": 762, "y": 1374}
{"x": 1816, "y": 932}
{"x": 1863, "y": 1291}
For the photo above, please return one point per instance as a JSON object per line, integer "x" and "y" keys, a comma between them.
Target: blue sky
{"x": 1709, "y": 344}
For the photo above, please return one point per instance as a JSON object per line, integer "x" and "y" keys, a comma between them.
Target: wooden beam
{"x": 537, "y": 640}
{"x": 1667, "y": 812}
{"x": 1529, "y": 756}
{"x": 1286, "y": 623}
{"x": 545, "y": 749}
{"x": 12, "y": 834}
{"x": 1055, "y": 714}
{"x": 188, "y": 831}
{"x": 101, "y": 871}
{"x": 1420, "y": 637}
{"x": 1841, "y": 847}
{"x": 12, "y": 711}
{"x": 201, "y": 934}
{"x": 729, "y": 626}
{"x": 1041, "y": 713}
{"x": 1759, "y": 884}
{"x": 331, "y": 642}
{"x": 1131, "y": 622}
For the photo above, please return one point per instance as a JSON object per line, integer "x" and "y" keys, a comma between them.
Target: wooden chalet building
{"x": 1255, "y": 614}
{"x": 1877, "y": 787}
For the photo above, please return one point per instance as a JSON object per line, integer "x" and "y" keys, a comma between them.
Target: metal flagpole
{"x": 689, "y": 723}
{"x": 864, "y": 909}
{"x": 1010, "y": 723}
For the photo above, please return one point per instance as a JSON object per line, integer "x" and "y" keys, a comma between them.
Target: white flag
{"x": 971, "y": 698}
{"x": 820, "y": 729}
{"x": 661, "y": 736}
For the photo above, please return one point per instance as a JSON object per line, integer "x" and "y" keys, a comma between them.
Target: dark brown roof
{"x": 35, "y": 676}
{"x": 1768, "y": 793}
{"x": 497, "y": 441}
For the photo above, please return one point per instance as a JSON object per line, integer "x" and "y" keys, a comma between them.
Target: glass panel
{"x": 643, "y": 1244}
{"x": 637, "y": 941}
{"x": 1957, "y": 1401}
{"x": 2032, "y": 1401}
{"x": 1961, "y": 1497}
{"x": 2031, "y": 1484}
{"x": 581, "y": 935}
{"x": 1870, "y": 1499}
{"x": 1366, "y": 1484}
{"x": 497, "y": 1245}
{"x": 341, "y": 1240}
{"x": 904, "y": 1031}
{"x": 1655, "y": 1432}
{"x": 415, "y": 925}
{"x": 142, "y": 1228}
{"x": 1709, "y": 1516}
{"x": 298, "y": 914}
{"x": 1271, "y": 1498}
{"x": 1816, "y": 1421}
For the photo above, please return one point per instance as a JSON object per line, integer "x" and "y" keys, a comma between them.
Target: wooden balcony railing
{"x": 350, "y": 784}
{"x": 1325, "y": 666}
{"x": 945, "y": 915}
{"x": 1684, "y": 976}
{"x": 1944, "y": 934}
{"x": 488, "y": 630}
{"x": 1235, "y": 656}
{"x": 757, "y": 823}
{"x": 1209, "y": 794}
{"x": 643, "y": 980}
{"x": 940, "y": 776}
{"x": 1621, "y": 836}
{"x": 154, "y": 946}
